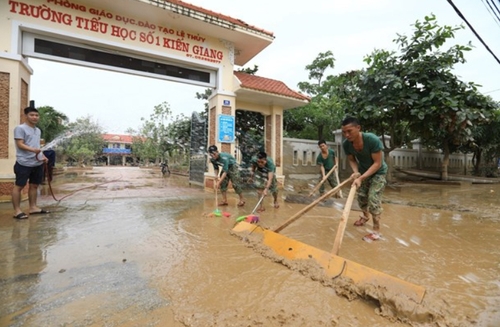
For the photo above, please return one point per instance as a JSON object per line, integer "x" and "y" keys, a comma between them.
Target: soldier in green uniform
{"x": 227, "y": 163}
{"x": 366, "y": 158}
{"x": 264, "y": 178}
{"x": 326, "y": 160}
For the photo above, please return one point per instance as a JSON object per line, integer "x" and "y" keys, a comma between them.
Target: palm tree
{"x": 52, "y": 122}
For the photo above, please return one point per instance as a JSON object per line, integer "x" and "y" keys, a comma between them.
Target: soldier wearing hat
{"x": 229, "y": 172}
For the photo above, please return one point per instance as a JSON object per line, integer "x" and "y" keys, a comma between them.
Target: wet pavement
{"x": 126, "y": 247}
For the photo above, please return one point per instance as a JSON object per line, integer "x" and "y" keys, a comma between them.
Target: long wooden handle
{"x": 312, "y": 205}
{"x": 323, "y": 180}
{"x": 343, "y": 220}
{"x": 217, "y": 189}
{"x": 338, "y": 181}
{"x": 260, "y": 200}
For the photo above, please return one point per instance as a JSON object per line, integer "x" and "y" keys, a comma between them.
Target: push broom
{"x": 251, "y": 218}
{"x": 217, "y": 212}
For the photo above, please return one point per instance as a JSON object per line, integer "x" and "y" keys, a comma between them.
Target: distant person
{"x": 227, "y": 164}
{"x": 29, "y": 163}
{"x": 264, "y": 178}
{"x": 366, "y": 158}
{"x": 326, "y": 160}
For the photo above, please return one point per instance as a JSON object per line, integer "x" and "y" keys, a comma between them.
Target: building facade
{"x": 118, "y": 149}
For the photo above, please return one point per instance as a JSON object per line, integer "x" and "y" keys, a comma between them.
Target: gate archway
{"x": 174, "y": 41}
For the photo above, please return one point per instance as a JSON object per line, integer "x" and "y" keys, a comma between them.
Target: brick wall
{"x": 24, "y": 99}
{"x": 278, "y": 138}
{"x": 4, "y": 114}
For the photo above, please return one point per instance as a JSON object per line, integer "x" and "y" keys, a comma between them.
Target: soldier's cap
{"x": 212, "y": 149}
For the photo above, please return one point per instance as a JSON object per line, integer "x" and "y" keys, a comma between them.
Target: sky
{"x": 351, "y": 29}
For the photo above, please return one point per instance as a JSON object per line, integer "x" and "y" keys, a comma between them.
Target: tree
{"x": 144, "y": 148}
{"x": 415, "y": 92}
{"x": 179, "y": 138}
{"x": 251, "y": 71}
{"x": 324, "y": 112}
{"x": 485, "y": 145}
{"x": 152, "y": 140}
{"x": 52, "y": 123}
{"x": 162, "y": 135}
{"x": 84, "y": 141}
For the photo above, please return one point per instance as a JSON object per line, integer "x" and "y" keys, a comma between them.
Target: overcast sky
{"x": 350, "y": 29}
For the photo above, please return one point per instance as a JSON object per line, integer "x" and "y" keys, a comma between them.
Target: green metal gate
{"x": 198, "y": 151}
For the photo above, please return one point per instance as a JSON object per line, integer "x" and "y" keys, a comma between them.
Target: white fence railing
{"x": 299, "y": 158}
{"x": 430, "y": 160}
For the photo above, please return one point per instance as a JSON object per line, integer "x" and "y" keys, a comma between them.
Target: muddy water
{"x": 130, "y": 248}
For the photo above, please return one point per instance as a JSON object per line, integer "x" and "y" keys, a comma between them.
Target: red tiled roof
{"x": 118, "y": 138}
{"x": 235, "y": 21}
{"x": 268, "y": 85}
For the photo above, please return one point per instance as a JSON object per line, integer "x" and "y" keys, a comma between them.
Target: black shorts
{"x": 23, "y": 174}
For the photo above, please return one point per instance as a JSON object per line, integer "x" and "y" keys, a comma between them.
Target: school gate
{"x": 173, "y": 41}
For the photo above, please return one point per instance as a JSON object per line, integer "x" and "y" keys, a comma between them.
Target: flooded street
{"x": 130, "y": 248}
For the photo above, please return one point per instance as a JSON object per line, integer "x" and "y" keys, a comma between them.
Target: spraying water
{"x": 61, "y": 139}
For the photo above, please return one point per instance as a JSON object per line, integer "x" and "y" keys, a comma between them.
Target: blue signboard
{"x": 226, "y": 103}
{"x": 226, "y": 129}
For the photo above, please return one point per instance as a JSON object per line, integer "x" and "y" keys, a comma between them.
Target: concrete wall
{"x": 299, "y": 163}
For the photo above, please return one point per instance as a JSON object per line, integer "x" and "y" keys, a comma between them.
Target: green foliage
{"x": 152, "y": 140}
{"x": 415, "y": 92}
{"x": 408, "y": 94}
{"x": 144, "y": 148}
{"x": 319, "y": 118}
{"x": 87, "y": 142}
{"x": 251, "y": 71}
{"x": 250, "y": 134}
{"x": 179, "y": 138}
{"x": 52, "y": 122}
{"x": 486, "y": 142}
{"x": 204, "y": 96}
{"x": 163, "y": 136}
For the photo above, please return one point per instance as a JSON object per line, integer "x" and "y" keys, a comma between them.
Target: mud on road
{"x": 126, "y": 247}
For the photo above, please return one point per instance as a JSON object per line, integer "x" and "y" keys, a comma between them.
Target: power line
{"x": 492, "y": 12}
{"x": 473, "y": 30}
{"x": 494, "y": 5}
{"x": 496, "y": 90}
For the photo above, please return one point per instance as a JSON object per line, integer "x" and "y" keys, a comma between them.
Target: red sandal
{"x": 371, "y": 237}
{"x": 361, "y": 221}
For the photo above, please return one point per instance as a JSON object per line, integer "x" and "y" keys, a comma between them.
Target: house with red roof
{"x": 118, "y": 149}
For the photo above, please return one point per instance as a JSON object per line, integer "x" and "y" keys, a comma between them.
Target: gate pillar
{"x": 15, "y": 76}
{"x": 220, "y": 104}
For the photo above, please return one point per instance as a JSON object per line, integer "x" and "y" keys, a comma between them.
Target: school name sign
{"x": 129, "y": 29}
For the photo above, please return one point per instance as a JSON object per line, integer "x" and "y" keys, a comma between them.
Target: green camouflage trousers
{"x": 370, "y": 194}
{"x": 233, "y": 175}
{"x": 260, "y": 181}
{"x": 331, "y": 180}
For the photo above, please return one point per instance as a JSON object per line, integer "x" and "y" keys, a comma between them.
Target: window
{"x": 295, "y": 157}
{"x": 304, "y": 158}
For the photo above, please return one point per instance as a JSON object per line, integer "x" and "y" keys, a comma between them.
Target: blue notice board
{"x": 226, "y": 129}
